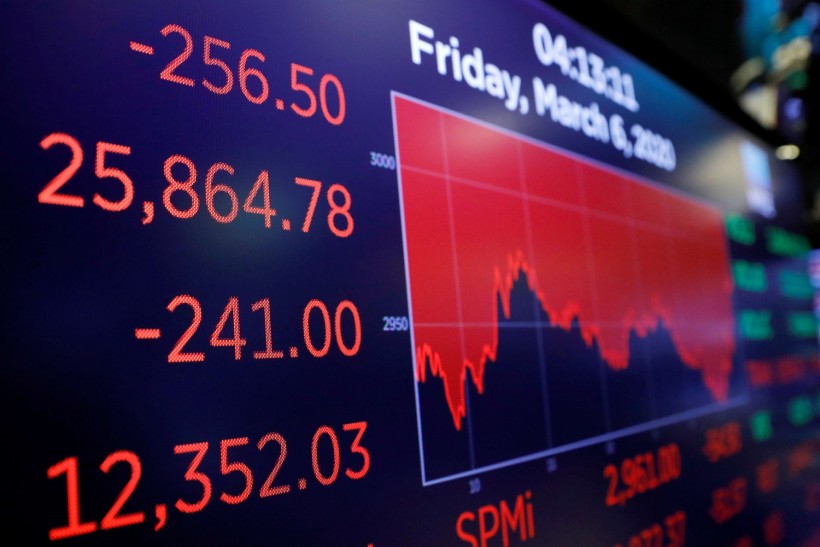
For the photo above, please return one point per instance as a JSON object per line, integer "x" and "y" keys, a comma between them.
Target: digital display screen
{"x": 371, "y": 275}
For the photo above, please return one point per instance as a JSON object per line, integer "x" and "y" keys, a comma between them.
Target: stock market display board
{"x": 416, "y": 273}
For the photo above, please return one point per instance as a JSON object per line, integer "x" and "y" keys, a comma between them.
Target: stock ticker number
{"x": 723, "y": 441}
{"x": 728, "y": 500}
{"x": 179, "y": 197}
{"x": 325, "y": 463}
{"x": 672, "y": 529}
{"x": 317, "y": 329}
{"x": 642, "y": 473}
{"x": 249, "y": 74}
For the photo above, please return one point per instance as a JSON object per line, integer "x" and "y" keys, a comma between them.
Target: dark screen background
{"x": 79, "y": 281}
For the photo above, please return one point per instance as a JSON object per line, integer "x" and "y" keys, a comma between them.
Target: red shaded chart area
{"x": 484, "y": 209}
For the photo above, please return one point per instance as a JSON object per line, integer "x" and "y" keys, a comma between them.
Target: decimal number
{"x": 185, "y": 191}
{"x": 728, "y": 501}
{"x": 723, "y": 441}
{"x": 318, "y": 331}
{"x": 672, "y": 530}
{"x": 326, "y": 464}
{"x": 642, "y": 473}
{"x": 392, "y": 323}
{"x": 252, "y": 80}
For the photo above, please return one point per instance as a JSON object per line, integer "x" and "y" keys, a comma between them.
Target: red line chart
{"x": 618, "y": 255}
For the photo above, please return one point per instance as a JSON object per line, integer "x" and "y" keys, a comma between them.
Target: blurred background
{"x": 757, "y": 61}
